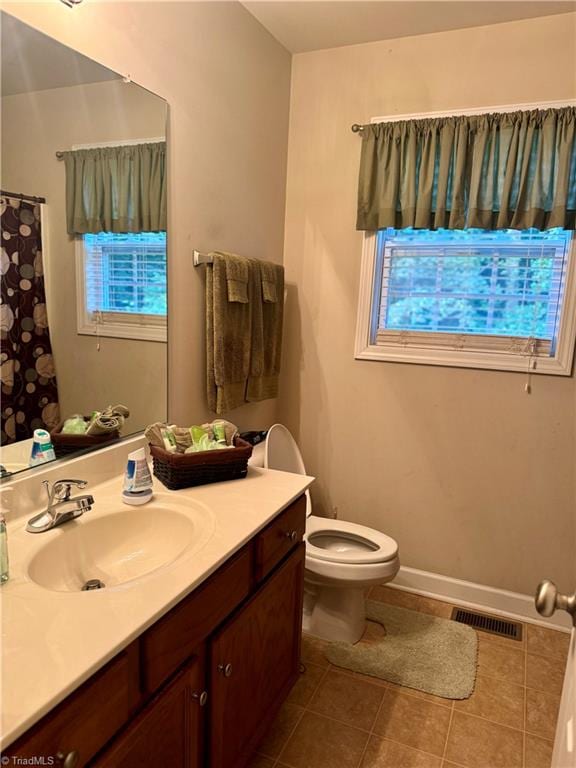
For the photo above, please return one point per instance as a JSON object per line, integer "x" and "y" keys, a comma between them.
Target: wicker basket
{"x": 184, "y": 470}
{"x": 64, "y": 445}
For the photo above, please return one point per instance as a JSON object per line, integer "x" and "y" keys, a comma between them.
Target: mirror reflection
{"x": 83, "y": 258}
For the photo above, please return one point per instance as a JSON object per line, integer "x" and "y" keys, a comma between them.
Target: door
{"x": 547, "y": 601}
{"x": 254, "y": 661}
{"x": 168, "y": 732}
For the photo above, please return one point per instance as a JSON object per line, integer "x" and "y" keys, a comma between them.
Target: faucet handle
{"x": 61, "y": 488}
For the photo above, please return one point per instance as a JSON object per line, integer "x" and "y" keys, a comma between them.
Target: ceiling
{"x": 32, "y": 61}
{"x": 309, "y": 25}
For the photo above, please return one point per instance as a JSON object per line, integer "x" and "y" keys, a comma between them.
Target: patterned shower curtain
{"x": 29, "y": 390}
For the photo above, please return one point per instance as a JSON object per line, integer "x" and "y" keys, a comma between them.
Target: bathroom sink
{"x": 119, "y": 547}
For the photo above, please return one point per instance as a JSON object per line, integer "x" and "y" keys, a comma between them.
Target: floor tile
{"x": 478, "y": 743}
{"x": 435, "y": 607}
{"x": 304, "y": 689}
{"x": 319, "y": 742}
{"x": 506, "y": 642}
{"x": 547, "y": 642}
{"x": 312, "y": 651}
{"x": 537, "y": 752}
{"x": 413, "y": 722}
{"x": 280, "y": 730}
{"x": 497, "y": 661}
{"x": 541, "y": 713}
{"x": 544, "y": 674}
{"x": 440, "y": 700}
{"x": 394, "y": 597}
{"x": 381, "y": 753}
{"x": 348, "y": 699}
{"x": 496, "y": 700}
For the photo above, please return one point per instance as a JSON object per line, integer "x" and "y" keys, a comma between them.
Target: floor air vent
{"x": 487, "y": 623}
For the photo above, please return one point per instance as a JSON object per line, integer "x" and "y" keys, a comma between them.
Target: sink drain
{"x": 93, "y": 584}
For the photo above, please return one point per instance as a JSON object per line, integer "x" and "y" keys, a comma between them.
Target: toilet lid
{"x": 337, "y": 541}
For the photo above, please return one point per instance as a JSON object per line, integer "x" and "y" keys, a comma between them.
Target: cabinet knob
{"x": 68, "y": 760}
{"x": 225, "y": 669}
{"x": 292, "y": 535}
{"x": 201, "y": 698}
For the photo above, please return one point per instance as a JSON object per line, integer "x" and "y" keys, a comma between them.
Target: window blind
{"x": 470, "y": 289}
{"x": 125, "y": 276}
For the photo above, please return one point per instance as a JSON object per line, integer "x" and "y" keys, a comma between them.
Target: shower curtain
{"x": 28, "y": 378}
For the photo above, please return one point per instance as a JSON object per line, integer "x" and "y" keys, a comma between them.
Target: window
{"x": 122, "y": 285}
{"x": 471, "y": 298}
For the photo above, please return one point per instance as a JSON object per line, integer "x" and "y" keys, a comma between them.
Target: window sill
{"x": 133, "y": 331}
{"x": 561, "y": 365}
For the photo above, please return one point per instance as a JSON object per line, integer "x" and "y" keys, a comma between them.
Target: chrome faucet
{"x": 61, "y": 505}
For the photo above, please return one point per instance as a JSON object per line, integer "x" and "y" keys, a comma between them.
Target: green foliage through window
{"x": 505, "y": 283}
{"x": 126, "y": 273}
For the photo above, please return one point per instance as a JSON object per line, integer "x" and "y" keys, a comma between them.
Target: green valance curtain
{"x": 116, "y": 189}
{"x": 495, "y": 171}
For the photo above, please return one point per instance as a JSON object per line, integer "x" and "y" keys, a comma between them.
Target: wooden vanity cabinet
{"x": 254, "y": 662}
{"x": 168, "y": 732}
{"x": 199, "y": 688}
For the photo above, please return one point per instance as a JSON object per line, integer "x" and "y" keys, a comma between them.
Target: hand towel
{"x": 236, "y": 276}
{"x": 267, "y": 321}
{"x": 110, "y": 420}
{"x": 228, "y": 340}
{"x": 268, "y": 275}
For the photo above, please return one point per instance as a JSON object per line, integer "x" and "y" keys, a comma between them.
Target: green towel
{"x": 228, "y": 340}
{"x": 237, "y": 268}
{"x": 267, "y": 282}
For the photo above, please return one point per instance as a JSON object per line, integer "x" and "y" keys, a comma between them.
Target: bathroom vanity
{"x": 193, "y": 684}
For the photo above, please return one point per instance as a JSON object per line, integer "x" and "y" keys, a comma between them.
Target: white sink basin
{"x": 119, "y": 547}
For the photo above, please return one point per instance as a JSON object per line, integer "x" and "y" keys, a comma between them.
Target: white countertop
{"x": 54, "y": 641}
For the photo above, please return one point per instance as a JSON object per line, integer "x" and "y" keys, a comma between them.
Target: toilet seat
{"x": 337, "y": 541}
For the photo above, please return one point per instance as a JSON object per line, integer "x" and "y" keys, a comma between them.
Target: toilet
{"x": 342, "y": 559}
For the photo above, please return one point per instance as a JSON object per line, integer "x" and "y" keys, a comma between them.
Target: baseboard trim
{"x": 511, "y": 605}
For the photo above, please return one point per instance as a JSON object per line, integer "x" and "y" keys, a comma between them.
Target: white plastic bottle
{"x": 42, "y": 449}
{"x": 137, "y": 480}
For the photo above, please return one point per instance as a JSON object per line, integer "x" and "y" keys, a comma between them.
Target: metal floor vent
{"x": 486, "y": 623}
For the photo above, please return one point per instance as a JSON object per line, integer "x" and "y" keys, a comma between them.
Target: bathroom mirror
{"x": 83, "y": 258}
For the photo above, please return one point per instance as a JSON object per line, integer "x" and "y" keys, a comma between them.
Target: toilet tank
{"x": 280, "y": 451}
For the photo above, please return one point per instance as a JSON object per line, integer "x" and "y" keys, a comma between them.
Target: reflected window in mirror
{"x": 122, "y": 285}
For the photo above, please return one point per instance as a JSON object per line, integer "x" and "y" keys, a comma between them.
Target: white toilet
{"x": 342, "y": 559}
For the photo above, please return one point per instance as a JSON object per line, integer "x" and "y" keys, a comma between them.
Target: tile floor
{"x": 339, "y": 719}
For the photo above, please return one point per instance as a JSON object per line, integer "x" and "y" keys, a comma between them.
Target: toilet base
{"x": 334, "y": 613}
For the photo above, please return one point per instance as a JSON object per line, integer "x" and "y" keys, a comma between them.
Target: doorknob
{"x": 548, "y": 600}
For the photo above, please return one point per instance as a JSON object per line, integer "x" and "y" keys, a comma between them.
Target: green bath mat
{"x": 428, "y": 653}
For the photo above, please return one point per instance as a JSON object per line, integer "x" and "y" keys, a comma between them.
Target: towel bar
{"x": 202, "y": 258}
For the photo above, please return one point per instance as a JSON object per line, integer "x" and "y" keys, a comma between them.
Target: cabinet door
{"x": 254, "y": 661}
{"x": 168, "y": 732}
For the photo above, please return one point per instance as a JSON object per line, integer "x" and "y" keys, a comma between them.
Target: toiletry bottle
{"x": 3, "y": 550}
{"x": 137, "y": 480}
{"x": 42, "y": 449}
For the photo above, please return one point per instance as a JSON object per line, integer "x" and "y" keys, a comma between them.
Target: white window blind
{"x": 474, "y": 290}
{"x": 123, "y": 285}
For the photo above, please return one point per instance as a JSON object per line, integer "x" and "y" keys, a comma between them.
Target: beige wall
{"x": 474, "y": 478}
{"x": 34, "y": 126}
{"x": 227, "y": 82}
